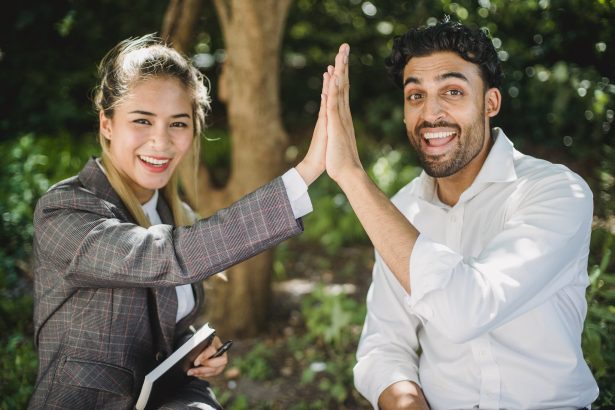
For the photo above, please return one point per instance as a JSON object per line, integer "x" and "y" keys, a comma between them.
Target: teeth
{"x": 438, "y": 135}
{"x": 153, "y": 161}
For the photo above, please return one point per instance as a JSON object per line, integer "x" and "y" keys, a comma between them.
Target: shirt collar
{"x": 150, "y": 206}
{"x": 498, "y": 167}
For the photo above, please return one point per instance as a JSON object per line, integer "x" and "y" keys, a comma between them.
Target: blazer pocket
{"x": 96, "y": 375}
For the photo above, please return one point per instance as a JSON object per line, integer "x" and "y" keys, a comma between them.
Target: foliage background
{"x": 559, "y": 60}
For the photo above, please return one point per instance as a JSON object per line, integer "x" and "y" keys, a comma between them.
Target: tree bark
{"x": 179, "y": 23}
{"x": 252, "y": 30}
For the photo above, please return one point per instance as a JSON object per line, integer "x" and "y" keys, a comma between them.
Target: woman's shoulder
{"x": 70, "y": 193}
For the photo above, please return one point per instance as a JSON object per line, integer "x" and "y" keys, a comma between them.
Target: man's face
{"x": 446, "y": 112}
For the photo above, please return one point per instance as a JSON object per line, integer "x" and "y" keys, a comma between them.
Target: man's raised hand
{"x": 342, "y": 157}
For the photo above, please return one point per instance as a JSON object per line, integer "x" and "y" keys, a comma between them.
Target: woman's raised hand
{"x": 313, "y": 164}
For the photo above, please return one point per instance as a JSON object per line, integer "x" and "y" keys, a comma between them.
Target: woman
{"x": 116, "y": 251}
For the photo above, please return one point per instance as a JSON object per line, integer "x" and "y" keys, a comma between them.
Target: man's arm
{"x": 390, "y": 232}
{"x": 404, "y": 395}
{"x": 387, "y": 351}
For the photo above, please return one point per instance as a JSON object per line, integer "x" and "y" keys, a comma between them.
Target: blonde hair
{"x": 132, "y": 61}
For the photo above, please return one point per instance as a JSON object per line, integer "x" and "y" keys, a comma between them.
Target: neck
{"x": 450, "y": 188}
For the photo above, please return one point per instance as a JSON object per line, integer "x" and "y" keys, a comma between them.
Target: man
{"x": 478, "y": 292}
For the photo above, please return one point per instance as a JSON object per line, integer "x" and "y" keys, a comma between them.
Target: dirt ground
{"x": 348, "y": 271}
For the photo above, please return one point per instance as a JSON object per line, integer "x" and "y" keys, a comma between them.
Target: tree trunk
{"x": 179, "y": 22}
{"x": 253, "y": 31}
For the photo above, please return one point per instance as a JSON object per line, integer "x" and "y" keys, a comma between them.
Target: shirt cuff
{"x": 297, "y": 192}
{"x": 372, "y": 375}
{"x": 431, "y": 268}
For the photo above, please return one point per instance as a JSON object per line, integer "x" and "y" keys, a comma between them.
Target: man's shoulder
{"x": 529, "y": 168}
{"x": 536, "y": 176}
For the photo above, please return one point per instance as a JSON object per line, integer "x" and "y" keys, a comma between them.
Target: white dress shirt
{"x": 498, "y": 292}
{"x": 296, "y": 189}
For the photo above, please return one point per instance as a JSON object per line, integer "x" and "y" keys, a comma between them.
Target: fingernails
{"x": 346, "y": 59}
{"x": 190, "y": 373}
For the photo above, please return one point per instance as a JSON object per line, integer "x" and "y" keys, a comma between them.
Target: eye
{"x": 413, "y": 97}
{"x": 454, "y": 92}
{"x": 179, "y": 124}
{"x": 142, "y": 121}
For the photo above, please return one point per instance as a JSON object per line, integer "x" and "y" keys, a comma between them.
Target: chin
{"x": 151, "y": 185}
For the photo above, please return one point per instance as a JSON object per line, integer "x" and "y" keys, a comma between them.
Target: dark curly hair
{"x": 473, "y": 45}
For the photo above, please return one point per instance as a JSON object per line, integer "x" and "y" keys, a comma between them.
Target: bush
{"x": 598, "y": 341}
{"x": 29, "y": 166}
{"x": 333, "y": 322}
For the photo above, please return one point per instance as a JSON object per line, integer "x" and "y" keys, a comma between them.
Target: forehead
{"x": 159, "y": 89}
{"x": 434, "y": 67}
{"x": 159, "y": 85}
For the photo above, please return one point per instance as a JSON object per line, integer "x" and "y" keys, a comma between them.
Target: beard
{"x": 468, "y": 144}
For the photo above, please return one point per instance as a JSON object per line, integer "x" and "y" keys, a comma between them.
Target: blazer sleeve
{"x": 85, "y": 240}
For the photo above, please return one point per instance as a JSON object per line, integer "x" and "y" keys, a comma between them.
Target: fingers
{"x": 344, "y": 98}
{"x": 209, "y": 368}
{"x": 204, "y": 366}
{"x": 338, "y": 92}
{"x": 204, "y": 357}
{"x": 323, "y": 95}
{"x": 341, "y": 63}
{"x": 332, "y": 99}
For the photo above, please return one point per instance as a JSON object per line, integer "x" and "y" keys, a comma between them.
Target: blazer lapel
{"x": 163, "y": 301}
{"x": 94, "y": 179}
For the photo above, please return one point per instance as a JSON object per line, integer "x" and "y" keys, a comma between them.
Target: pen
{"x": 222, "y": 349}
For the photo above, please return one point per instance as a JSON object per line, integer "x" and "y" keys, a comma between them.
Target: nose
{"x": 432, "y": 109}
{"x": 160, "y": 138}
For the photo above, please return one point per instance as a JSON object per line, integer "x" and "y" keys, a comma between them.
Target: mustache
{"x": 438, "y": 124}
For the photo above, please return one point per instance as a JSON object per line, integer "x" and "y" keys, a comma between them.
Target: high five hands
{"x": 333, "y": 147}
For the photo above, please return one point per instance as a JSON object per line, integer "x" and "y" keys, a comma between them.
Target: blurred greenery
{"x": 559, "y": 62}
{"x": 27, "y": 171}
{"x": 324, "y": 352}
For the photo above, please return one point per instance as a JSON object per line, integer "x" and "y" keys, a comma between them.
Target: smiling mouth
{"x": 437, "y": 139}
{"x": 156, "y": 162}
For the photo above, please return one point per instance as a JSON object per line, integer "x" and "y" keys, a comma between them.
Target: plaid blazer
{"x": 105, "y": 300}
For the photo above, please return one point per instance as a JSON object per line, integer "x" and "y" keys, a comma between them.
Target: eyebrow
{"x": 151, "y": 114}
{"x": 441, "y": 77}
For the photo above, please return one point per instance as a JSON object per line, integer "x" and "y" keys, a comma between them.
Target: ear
{"x": 105, "y": 126}
{"x": 493, "y": 102}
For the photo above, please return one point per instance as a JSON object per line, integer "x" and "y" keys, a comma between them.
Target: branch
{"x": 180, "y": 21}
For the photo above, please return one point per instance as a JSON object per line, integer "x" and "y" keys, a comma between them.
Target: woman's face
{"x": 150, "y": 132}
